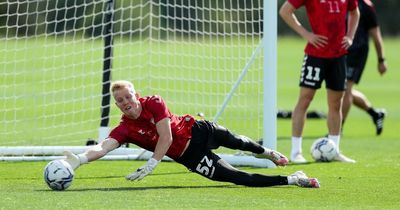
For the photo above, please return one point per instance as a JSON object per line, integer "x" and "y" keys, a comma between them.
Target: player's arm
{"x": 93, "y": 153}
{"x": 163, "y": 126}
{"x": 165, "y": 138}
{"x": 101, "y": 149}
{"x": 376, "y": 35}
{"x": 164, "y": 142}
{"x": 352, "y": 23}
{"x": 287, "y": 14}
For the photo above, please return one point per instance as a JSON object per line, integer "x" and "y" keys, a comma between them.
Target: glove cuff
{"x": 152, "y": 162}
{"x": 82, "y": 159}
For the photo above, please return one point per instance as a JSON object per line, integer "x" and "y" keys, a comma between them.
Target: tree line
{"x": 27, "y": 17}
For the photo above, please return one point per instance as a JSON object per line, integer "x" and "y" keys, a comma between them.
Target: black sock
{"x": 371, "y": 111}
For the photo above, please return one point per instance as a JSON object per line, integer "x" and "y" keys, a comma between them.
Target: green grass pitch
{"x": 371, "y": 183}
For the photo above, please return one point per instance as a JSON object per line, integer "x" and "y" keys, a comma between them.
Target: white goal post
{"x": 58, "y": 58}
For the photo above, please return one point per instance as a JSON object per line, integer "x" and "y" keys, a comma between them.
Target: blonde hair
{"x": 119, "y": 84}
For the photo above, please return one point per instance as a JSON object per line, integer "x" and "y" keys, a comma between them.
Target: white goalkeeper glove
{"x": 143, "y": 171}
{"x": 75, "y": 160}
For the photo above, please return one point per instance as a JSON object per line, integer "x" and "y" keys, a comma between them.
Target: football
{"x": 58, "y": 175}
{"x": 323, "y": 150}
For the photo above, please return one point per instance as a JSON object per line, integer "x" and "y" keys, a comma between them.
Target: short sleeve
{"x": 157, "y": 107}
{"x": 296, "y": 3}
{"x": 352, "y": 5}
{"x": 119, "y": 134}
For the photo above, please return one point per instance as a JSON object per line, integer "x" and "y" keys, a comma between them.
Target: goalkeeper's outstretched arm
{"x": 94, "y": 153}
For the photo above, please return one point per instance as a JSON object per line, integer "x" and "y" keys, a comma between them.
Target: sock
{"x": 267, "y": 151}
{"x": 292, "y": 180}
{"x": 371, "y": 111}
{"x": 336, "y": 139}
{"x": 296, "y": 145}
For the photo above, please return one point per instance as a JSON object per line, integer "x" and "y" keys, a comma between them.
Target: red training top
{"x": 142, "y": 131}
{"x": 327, "y": 18}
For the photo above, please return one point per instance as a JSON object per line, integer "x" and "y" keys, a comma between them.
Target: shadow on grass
{"x": 295, "y": 164}
{"x": 287, "y": 138}
{"x": 312, "y": 162}
{"x": 122, "y": 176}
{"x": 145, "y": 188}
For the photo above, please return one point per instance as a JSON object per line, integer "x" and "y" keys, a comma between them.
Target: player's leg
{"x": 356, "y": 60}
{"x": 361, "y": 101}
{"x": 311, "y": 77}
{"x": 223, "y": 137}
{"x": 298, "y": 120}
{"x": 213, "y": 167}
{"x": 200, "y": 159}
{"x": 334, "y": 119}
{"x": 224, "y": 172}
{"x": 347, "y": 100}
{"x": 336, "y": 85}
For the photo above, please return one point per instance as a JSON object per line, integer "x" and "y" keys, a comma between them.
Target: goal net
{"x": 58, "y": 57}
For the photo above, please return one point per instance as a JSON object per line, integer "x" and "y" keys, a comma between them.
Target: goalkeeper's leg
{"x": 203, "y": 161}
{"x": 227, "y": 173}
{"x": 223, "y": 137}
{"x": 218, "y": 169}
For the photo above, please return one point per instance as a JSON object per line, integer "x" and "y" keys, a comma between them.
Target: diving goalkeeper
{"x": 148, "y": 123}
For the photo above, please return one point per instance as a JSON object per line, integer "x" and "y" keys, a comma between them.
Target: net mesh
{"x": 189, "y": 52}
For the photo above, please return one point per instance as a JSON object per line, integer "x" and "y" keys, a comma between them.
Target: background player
{"x": 356, "y": 59}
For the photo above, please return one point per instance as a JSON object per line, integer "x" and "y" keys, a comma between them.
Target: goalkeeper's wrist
{"x": 152, "y": 162}
{"x": 82, "y": 159}
{"x": 78, "y": 161}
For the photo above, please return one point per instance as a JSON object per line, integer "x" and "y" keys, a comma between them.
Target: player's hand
{"x": 347, "y": 42}
{"x": 72, "y": 159}
{"x": 143, "y": 171}
{"x": 316, "y": 40}
{"x": 382, "y": 67}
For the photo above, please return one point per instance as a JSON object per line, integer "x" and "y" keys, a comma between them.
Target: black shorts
{"x": 198, "y": 157}
{"x": 315, "y": 70}
{"x": 356, "y": 61}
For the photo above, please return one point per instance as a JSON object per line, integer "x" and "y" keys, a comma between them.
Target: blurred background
{"x": 86, "y": 16}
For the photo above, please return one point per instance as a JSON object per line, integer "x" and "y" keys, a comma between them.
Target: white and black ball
{"x": 324, "y": 150}
{"x": 58, "y": 174}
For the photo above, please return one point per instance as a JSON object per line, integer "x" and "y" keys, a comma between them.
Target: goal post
{"x": 59, "y": 57}
{"x": 107, "y": 68}
{"x": 270, "y": 84}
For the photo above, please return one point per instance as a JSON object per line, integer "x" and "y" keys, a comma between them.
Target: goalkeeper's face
{"x": 127, "y": 102}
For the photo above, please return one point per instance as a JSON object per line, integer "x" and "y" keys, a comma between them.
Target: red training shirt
{"x": 143, "y": 132}
{"x": 327, "y": 18}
